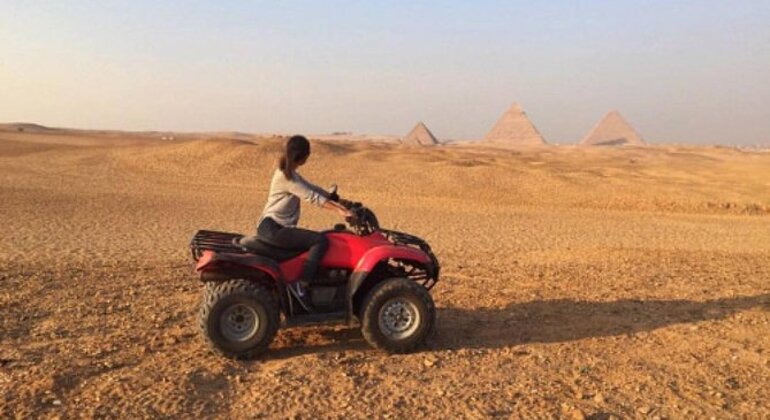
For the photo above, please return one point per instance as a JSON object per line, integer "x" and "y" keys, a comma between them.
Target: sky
{"x": 695, "y": 71}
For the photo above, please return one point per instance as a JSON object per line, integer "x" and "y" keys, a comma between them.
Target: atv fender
{"x": 369, "y": 261}
{"x": 224, "y": 264}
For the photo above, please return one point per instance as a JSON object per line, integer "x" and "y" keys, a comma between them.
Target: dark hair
{"x": 297, "y": 150}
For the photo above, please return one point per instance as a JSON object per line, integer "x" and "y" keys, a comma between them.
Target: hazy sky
{"x": 680, "y": 71}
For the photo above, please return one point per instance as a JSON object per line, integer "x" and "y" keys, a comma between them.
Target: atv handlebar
{"x": 363, "y": 221}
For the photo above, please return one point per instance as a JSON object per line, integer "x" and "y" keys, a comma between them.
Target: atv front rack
{"x": 214, "y": 241}
{"x": 428, "y": 275}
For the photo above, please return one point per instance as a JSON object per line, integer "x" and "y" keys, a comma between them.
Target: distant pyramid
{"x": 420, "y": 135}
{"x": 612, "y": 130}
{"x": 514, "y": 128}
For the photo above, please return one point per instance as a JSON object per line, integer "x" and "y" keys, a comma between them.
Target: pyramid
{"x": 612, "y": 130}
{"x": 420, "y": 135}
{"x": 514, "y": 128}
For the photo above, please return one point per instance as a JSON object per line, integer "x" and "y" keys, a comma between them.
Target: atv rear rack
{"x": 214, "y": 241}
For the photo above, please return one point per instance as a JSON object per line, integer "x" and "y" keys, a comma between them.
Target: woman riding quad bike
{"x": 354, "y": 274}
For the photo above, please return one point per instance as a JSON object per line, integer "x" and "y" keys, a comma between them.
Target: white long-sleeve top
{"x": 283, "y": 201}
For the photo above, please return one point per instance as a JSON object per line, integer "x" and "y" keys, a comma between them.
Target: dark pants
{"x": 295, "y": 239}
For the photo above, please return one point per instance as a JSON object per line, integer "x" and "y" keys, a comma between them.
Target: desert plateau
{"x": 577, "y": 282}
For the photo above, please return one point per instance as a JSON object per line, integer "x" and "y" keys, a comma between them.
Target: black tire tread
{"x": 215, "y": 291}
{"x": 369, "y": 323}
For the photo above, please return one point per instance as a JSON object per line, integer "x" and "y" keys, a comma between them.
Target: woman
{"x": 278, "y": 224}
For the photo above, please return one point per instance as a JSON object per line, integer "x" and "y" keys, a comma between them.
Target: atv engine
{"x": 328, "y": 290}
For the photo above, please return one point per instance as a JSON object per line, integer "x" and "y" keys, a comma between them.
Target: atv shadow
{"x": 542, "y": 321}
{"x": 316, "y": 340}
{"x": 563, "y": 320}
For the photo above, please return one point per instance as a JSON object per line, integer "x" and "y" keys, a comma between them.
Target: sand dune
{"x": 577, "y": 281}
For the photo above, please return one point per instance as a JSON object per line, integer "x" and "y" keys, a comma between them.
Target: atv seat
{"x": 254, "y": 245}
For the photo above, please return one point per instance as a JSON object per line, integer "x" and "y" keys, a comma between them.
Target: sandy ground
{"x": 577, "y": 282}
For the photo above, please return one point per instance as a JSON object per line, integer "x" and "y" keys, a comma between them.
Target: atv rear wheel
{"x": 239, "y": 318}
{"x": 397, "y": 315}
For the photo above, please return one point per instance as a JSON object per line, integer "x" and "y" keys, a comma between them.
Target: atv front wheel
{"x": 398, "y": 315}
{"x": 239, "y": 318}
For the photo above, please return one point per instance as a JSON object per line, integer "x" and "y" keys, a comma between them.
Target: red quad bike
{"x": 369, "y": 276}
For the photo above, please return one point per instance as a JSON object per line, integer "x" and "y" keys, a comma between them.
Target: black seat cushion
{"x": 254, "y": 245}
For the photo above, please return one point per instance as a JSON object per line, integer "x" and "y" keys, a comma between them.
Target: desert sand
{"x": 577, "y": 282}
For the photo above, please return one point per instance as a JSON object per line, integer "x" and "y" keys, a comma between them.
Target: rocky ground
{"x": 577, "y": 282}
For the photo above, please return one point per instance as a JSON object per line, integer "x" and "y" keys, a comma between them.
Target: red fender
{"x": 373, "y": 256}
{"x": 211, "y": 260}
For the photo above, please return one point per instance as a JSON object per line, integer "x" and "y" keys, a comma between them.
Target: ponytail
{"x": 297, "y": 150}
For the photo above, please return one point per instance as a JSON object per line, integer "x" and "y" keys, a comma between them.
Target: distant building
{"x": 515, "y": 129}
{"x": 420, "y": 135}
{"x": 612, "y": 130}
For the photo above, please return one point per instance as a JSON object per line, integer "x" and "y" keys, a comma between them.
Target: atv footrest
{"x": 315, "y": 319}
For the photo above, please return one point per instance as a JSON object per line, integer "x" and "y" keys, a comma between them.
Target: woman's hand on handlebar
{"x": 347, "y": 214}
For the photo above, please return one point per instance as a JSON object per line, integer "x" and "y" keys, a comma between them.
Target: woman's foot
{"x": 301, "y": 294}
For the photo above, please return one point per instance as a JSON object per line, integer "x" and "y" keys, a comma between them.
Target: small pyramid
{"x": 514, "y": 128}
{"x": 420, "y": 135}
{"x": 612, "y": 130}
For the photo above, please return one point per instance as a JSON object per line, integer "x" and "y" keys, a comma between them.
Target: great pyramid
{"x": 420, "y": 135}
{"x": 612, "y": 130}
{"x": 514, "y": 128}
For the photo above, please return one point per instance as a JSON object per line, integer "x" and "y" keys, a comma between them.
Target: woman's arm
{"x": 339, "y": 208}
{"x": 316, "y": 195}
{"x": 307, "y": 191}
